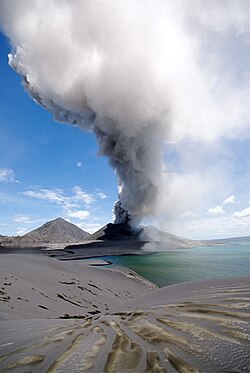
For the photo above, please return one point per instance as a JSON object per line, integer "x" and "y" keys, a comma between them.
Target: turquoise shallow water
{"x": 169, "y": 267}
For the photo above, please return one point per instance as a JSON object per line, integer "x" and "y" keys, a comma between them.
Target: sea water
{"x": 182, "y": 265}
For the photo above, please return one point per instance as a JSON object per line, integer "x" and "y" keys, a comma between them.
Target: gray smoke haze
{"x": 135, "y": 72}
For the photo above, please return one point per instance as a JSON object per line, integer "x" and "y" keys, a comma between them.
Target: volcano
{"x": 117, "y": 232}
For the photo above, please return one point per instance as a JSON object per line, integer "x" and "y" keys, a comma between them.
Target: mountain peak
{"x": 57, "y": 231}
{"x": 58, "y": 219}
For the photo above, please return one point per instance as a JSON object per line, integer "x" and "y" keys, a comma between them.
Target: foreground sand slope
{"x": 194, "y": 327}
{"x": 34, "y": 286}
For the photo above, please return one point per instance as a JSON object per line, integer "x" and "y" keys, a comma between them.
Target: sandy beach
{"x": 68, "y": 316}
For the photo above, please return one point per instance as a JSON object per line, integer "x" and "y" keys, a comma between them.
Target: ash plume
{"x": 133, "y": 72}
{"x": 120, "y": 214}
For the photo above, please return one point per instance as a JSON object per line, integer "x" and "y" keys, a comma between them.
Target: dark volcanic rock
{"x": 117, "y": 232}
{"x": 109, "y": 239}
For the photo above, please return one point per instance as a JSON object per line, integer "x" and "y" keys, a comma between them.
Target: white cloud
{"x": 55, "y": 195}
{"x": 101, "y": 195}
{"x": 58, "y": 197}
{"x": 216, "y": 210}
{"x": 20, "y": 231}
{"x": 23, "y": 219}
{"x": 245, "y": 213}
{"x": 79, "y": 164}
{"x": 74, "y": 206}
{"x": 80, "y": 214}
{"x": 229, "y": 200}
{"x": 19, "y": 218}
{"x": 89, "y": 227}
{"x": 7, "y": 175}
{"x": 82, "y": 196}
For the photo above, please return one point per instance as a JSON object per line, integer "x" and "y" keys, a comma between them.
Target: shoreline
{"x": 83, "y": 257}
{"x": 83, "y": 251}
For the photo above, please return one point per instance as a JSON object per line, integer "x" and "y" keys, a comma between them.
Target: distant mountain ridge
{"x": 153, "y": 234}
{"x": 231, "y": 240}
{"x": 57, "y": 231}
{"x": 60, "y": 231}
{"x": 121, "y": 232}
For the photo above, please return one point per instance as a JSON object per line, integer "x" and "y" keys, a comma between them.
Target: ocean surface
{"x": 182, "y": 265}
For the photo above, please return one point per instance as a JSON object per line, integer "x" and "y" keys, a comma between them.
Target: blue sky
{"x": 42, "y": 154}
{"x": 48, "y": 169}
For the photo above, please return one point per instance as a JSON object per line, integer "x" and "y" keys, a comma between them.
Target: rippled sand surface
{"x": 193, "y": 327}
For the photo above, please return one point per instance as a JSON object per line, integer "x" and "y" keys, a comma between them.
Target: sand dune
{"x": 34, "y": 286}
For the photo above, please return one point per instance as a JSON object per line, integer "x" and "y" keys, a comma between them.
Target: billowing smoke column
{"x": 78, "y": 61}
{"x": 130, "y": 71}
